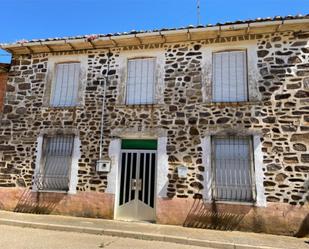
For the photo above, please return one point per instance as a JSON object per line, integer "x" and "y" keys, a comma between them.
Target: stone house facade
{"x": 199, "y": 126}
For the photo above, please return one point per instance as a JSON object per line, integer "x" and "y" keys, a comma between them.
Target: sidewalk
{"x": 146, "y": 231}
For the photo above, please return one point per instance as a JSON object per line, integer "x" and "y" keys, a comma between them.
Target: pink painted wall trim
{"x": 276, "y": 218}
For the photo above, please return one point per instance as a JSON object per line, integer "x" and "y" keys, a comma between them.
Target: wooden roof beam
{"x": 28, "y": 49}
{"x": 189, "y": 35}
{"x": 71, "y": 46}
{"x": 139, "y": 40}
{"x": 163, "y": 37}
{"x": 49, "y": 48}
{"x": 113, "y": 41}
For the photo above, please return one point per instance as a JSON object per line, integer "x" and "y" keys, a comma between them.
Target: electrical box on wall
{"x": 182, "y": 171}
{"x": 103, "y": 166}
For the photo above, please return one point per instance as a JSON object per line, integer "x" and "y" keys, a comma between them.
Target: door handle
{"x": 136, "y": 184}
{"x": 133, "y": 184}
{"x": 139, "y": 184}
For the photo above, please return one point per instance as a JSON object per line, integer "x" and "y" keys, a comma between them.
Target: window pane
{"x": 229, "y": 76}
{"x": 232, "y": 168}
{"x": 65, "y": 85}
{"x": 57, "y": 157}
{"x": 140, "y": 81}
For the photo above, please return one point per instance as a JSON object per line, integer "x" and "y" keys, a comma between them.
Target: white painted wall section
{"x": 162, "y": 167}
{"x": 206, "y": 159}
{"x": 37, "y": 160}
{"x": 259, "y": 174}
{"x": 114, "y": 154}
{"x": 74, "y": 166}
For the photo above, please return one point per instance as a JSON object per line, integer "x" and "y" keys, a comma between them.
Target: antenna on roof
{"x": 198, "y": 11}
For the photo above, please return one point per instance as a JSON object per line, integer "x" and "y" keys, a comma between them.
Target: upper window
{"x": 54, "y": 171}
{"x": 140, "y": 87}
{"x": 230, "y": 76}
{"x": 65, "y": 85}
{"x": 232, "y": 169}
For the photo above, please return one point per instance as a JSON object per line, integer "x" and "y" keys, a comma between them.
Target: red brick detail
{"x": 3, "y": 80}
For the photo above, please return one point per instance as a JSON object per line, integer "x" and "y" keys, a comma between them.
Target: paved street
{"x": 28, "y": 238}
{"x": 13, "y": 234}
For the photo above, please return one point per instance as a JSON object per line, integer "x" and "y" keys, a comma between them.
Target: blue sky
{"x": 30, "y": 19}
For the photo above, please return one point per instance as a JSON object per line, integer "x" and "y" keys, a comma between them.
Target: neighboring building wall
{"x": 277, "y": 113}
{"x": 3, "y": 79}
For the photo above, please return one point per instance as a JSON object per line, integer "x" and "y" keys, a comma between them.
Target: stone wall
{"x": 280, "y": 114}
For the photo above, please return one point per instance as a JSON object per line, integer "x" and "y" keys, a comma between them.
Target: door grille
{"x": 137, "y": 177}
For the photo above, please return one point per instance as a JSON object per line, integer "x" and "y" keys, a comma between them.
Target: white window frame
{"x": 260, "y": 199}
{"x": 246, "y": 83}
{"x": 122, "y": 60}
{"x": 73, "y": 176}
{"x": 251, "y": 167}
{"x": 51, "y": 68}
{"x": 154, "y": 84}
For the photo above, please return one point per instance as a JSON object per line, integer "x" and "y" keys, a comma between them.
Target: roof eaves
{"x": 258, "y": 22}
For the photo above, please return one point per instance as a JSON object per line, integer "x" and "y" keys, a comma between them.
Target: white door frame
{"x": 135, "y": 202}
{"x": 114, "y": 153}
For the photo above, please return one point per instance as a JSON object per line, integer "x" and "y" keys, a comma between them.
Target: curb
{"x": 132, "y": 235}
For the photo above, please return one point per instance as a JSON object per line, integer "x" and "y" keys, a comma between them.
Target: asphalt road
{"x": 28, "y": 238}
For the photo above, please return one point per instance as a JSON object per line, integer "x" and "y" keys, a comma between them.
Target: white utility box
{"x": 103, "y": 166}
{"x": 182, "y": 171}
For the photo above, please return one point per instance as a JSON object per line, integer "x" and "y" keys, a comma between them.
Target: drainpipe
{"x": 101, "y": 164}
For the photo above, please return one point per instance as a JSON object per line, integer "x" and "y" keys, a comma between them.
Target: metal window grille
{"x": 233, "y": 169}
{"x": 141, "y": 81}
{"x": 230, "y": 76}
{"x": 65, "y": 87}
{"x": 56, "y": 163}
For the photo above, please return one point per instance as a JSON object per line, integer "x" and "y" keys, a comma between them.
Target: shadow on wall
{"x": 304, "y": 227}
{"x": 208, "y": 216}
{"x": 38, "y": 203}
{"x": 1, "y": 206}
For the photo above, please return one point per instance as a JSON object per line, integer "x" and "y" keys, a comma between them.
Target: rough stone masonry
{"x": 277, "y": 110}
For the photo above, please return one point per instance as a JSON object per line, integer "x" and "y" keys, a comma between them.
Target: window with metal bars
{"x": 54, "y": 172}
{"x": 230, "y": 76}
{"x": 65, "y": 85}
{"x": 140, "y": 88}
{"x": 233, "y": 169}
